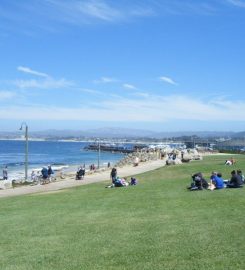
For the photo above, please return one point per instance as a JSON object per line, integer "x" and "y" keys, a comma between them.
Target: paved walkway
{"x": 70, "y": 182}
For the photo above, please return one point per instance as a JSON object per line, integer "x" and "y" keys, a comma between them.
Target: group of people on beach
{"x": 216, "y": 181}
{"x": 45, "y": 173}
{"x": 44, "y": 176}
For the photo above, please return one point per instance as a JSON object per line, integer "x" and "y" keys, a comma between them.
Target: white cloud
{"x": 168, "y": 80}
{"x": 6, "y": 95}
{"x": 43, "y": 84}
{"x": 105, "y": 80}
{"x": 129, "y": 86}
{"x": 100, "y": 10}
{"x": 142, "y": 94}
{"x": 91, "y": 91}
{"x": 80, "y": 12}
{"x": 31, "y": 71}
{"x": 143, "y": 12}
{"x": 150, "y": 108}
{"x": 238, "y": 3}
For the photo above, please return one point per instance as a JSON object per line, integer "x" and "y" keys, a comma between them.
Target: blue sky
{"x": 165, "y": 65}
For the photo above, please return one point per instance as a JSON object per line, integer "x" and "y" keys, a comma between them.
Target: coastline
{"x": 69, "y": 179}
{"x": 60, "y": 155}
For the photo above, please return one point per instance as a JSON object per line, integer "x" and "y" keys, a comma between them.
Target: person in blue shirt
{"x": 213, "y": 175}
{"x": 218, "y": 181}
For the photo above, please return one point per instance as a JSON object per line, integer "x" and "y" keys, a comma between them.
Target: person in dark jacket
{"x": 80, "y": 173}
{"x": 113, "y": 175}
{"x": 236, "y": 180}
{"x": 239, "y": 172}
{"x": 198, "y": 182}
{"x": 44, "y": 173}
{"x": 5, "y": 173}
{"x": 50, "y": 172}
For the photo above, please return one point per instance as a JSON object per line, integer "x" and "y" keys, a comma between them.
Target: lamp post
{"x": 98, "y": 154}
{"x": 193, "y": 142}
{"x": 26, "y": 148}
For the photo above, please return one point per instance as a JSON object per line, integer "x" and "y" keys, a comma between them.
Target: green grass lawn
{"x": 157, "y": 224}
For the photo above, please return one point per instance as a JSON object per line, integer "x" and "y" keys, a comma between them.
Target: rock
{"x": 4, "y": 184}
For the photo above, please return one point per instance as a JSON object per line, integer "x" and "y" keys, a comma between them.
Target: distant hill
{"x": 118, "y": 132}
{"x": 239, "y": 135}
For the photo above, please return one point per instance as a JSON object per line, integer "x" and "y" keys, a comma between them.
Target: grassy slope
{"x": 155, "y": 225}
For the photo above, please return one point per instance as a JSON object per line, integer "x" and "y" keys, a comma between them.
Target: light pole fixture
{"x": 98, "y": 153}
{"x": 26, "y": 148}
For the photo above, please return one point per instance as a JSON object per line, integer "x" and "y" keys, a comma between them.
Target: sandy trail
{"x": 70, "y": 181}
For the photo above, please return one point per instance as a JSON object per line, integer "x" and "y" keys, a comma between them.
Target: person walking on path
{"x": 5, "y": 173}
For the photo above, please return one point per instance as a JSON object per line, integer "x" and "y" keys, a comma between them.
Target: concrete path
{"x": 70, "y": 181}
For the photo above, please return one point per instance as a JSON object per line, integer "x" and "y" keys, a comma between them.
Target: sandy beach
{"x": 69, "y": 179}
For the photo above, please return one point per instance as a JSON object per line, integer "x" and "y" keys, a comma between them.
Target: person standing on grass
{"x": 113, "y": 175}
{"x": 5, "y": 173}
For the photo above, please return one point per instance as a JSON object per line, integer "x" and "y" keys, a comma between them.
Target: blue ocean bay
{"x": 56, "y": 153}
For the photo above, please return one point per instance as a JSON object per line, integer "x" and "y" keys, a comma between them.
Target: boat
{"x": 109, "y": 147}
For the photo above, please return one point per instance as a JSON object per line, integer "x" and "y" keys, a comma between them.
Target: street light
{"x": 26, "y": 152}
{"x": 193, "y": 142}
{"x": 98, "y": 154}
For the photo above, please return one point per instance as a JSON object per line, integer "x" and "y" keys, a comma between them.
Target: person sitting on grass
{"x": 239, "y": 172}
{"x": 124, "y": 182}
{"x": 236, "y": 181}
{"x": 228, "y": 162}
{"x": 133, "y": 181}
{"x": 118, "y": 182}
{"x": 233, "y": 161}
{"x": 217, "y": 180}
{"x": 198, "y": 182}
{"x": 121, "y": 182}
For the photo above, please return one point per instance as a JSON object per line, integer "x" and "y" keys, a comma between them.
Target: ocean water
{"x": 61, "y": 155}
